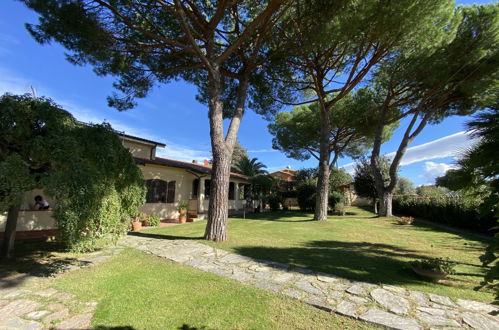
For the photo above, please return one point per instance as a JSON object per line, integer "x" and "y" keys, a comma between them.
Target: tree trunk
{"x": 375, "y": 206}
{"x": 216, "y": 228}
{"x": 10, "y": 231}
{"x": 322, "y": 195}
{"x": 322, "y": 191}
{"x": 218, "y": 209}
{"x": 385, "y": 207}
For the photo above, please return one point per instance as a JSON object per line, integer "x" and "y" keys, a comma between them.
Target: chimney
{"x": 206, "y": 162}
{"x": 194, "y": 161}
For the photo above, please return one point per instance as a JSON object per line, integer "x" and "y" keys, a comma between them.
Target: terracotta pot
{"x": 136, "y": 226}
{"x": 183, "y": 211}
{"x": 182, "y": 218}
{"x": 429, "y": 273}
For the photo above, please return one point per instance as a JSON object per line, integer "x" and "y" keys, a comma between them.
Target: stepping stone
{"x": 46, "y": 292}
{"x": 432, "y": 311}
{"x": 76, "y": 322}
{"x": 395, "y": 289}
{"x": 346, "y": 308}
{"x": 476, "y": 306}
{"x": 241, "y": 277}
{"x": 307, "y": 287}
{"x": 419, "y": 298}
{"x": 36, "y": 315}
{"x": 478, "y": 321}
{"x": 18, "y": 323}
{"x": 357, "y": 290}
{"x": 16, "y": 294}
{"x": 358, "y": 300}
{"x": 63, "y": 296}
{"x": 442, "y": 300}
{"x": 317, "y": 302}
{"x": 268, "y": 286}
{"x": 326, "y": 278}
{"x": 60, "y": 315}
{"x": 390, "y": 301}
{"x": 283, "y": 277}
{"x": 55, "y": 307}
{"x": 437, "y": 320}
{"x": 18, "y": 308}
{"x": 390, "y": 320}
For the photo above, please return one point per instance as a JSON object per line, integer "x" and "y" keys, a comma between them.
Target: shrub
{"x": 274, "y": 202}
{"x": 438, "y": 265}
{"x": 339, "y": 208}
{"x": 335, "y": 197}
{"x": 306, "y": 196}
{"x": 154, "y": 220}
{"x": 463, "y": 212}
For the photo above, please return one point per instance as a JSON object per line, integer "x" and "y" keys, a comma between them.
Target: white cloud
{"x": 448, "y": 146}
{"x": 256, "y": 151}
{"x": 180, "y": 152}
{"x": 433, "y": 170}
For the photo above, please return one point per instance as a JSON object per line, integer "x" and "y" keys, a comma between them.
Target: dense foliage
{"x": 85, "y": 168}
{"x": 460, "y": 212}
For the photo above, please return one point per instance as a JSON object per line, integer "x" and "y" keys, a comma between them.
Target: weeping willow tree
{"x": 85, "y": 168}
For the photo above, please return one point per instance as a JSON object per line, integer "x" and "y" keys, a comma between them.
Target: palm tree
{"x": 250, "y": 167}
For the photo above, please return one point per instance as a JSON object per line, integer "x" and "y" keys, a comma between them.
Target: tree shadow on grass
{"x": 31, "y": 260}
{"x": 369, "y": 262}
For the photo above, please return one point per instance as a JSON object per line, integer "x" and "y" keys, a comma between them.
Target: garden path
{"x": 385, "y": 305}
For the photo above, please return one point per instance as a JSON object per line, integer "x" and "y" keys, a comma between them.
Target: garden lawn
{"x": 357, "y": 246}
{"x": 140, "y": 291}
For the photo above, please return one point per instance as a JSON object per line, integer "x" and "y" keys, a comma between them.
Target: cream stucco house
{"x": 168, "y": 182}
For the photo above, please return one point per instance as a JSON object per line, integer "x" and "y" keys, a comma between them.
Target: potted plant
{"x": 136, "y": 224}
{"x": 182, "y": 209}
{"x": 404, "y": 220}
{"x": 144, "y": 218}
{"x": 435, "y": 268}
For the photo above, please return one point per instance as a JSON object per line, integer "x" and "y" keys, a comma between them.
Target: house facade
{"x": 169, "y": 182}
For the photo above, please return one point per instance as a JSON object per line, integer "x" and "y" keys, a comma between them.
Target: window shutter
{"x": 150, "y": 191}
{"x": 231, "y": 191}
{"x": 161, "y": 188}
{"x": 170, "y": 198}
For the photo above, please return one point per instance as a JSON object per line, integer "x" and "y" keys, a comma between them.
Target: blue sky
{"x": 171, "y": 114}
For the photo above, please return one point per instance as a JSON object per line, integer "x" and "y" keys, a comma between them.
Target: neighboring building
{"x": 287, "y": 185}
{"x": 285, "y": 175}
{"x": 351, "y": 197}
{"x": 168, "y": 183}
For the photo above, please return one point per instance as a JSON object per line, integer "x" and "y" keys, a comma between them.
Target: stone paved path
{"x": 385, "y": 305}
{"x": 35, "y": 305}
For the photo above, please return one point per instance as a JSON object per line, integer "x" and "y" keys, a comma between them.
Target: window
{"x": 160, "y": 191}
{"x": 195, "y": 188}
{"x": 207, "y": 186}
{"x": 170, "y": 197}
{"x": 231, "y": 190}
{"x": 156, "y": 191}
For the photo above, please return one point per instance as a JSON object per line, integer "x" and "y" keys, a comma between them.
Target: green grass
{"x": 358, "y": 246}
{"x": 140, "y": 291}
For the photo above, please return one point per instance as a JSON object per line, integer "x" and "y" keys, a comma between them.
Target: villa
{"x": 168, "y": 182}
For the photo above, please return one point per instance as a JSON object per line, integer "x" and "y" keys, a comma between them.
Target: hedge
{"x": 453, "y": 211}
